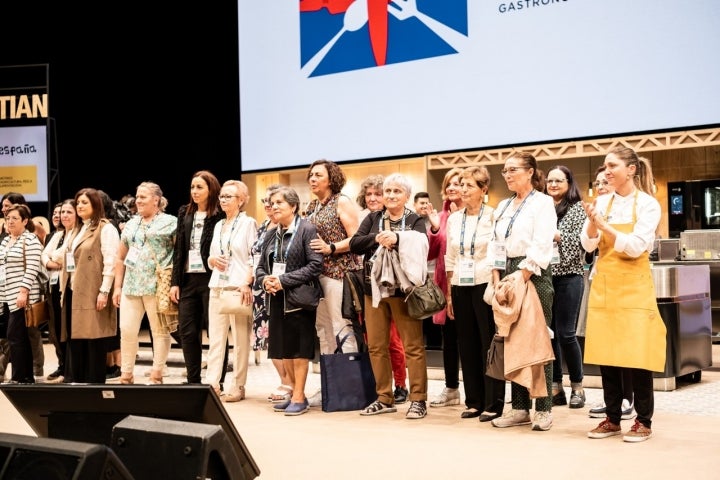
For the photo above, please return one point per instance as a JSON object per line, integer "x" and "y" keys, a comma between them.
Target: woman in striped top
{"x": 19, "y": 286}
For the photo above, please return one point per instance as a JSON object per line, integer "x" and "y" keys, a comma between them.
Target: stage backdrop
{"x": 355, "y": 80}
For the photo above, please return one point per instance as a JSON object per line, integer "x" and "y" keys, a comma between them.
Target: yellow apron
{"x": 624, "y": 326}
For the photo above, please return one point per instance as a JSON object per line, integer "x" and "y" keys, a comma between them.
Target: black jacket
{"x": 303, "y": 265}
{"x": 182, "y": 243}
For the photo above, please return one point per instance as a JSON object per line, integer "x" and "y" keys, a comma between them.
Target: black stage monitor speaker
{"x": 88, "y": 413}
{"x": 153, "y": 448}
{"x": 32, "y": 458}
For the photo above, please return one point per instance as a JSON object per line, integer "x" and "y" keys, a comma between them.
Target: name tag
{"x": 500, "y": 256}
{"x": 467, "y": 271}
{"x": 195, "y": 263}
{"x": 278, "y": 268}
{"x": 555, "y": 259}
{"x": 132, "y": 257}
{"x": 69, "y": 262}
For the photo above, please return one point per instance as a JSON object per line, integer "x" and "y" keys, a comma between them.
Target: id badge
{"x": 55, "y": 279}
{"x": 555, "y": 259}
{"x": 225, "y": 276}
{"x": 467, "y": 271}
{"x": 195, "y": 263}
{"x": 3, "y": 274}
{"x": 132, "y": 257}
{"x": 278, "y": 268}
{"x": 69, "y": 262}
{"x": 500, "y": 256}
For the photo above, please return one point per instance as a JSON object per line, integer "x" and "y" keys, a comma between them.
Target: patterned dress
{"x": 260, "y": 315}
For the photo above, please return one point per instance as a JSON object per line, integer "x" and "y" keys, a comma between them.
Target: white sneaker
{"x": 449, "y": 396}
{"x": 542, "y": 421}
{"x": 628, "y": 411}
{"x": 316, "y": 399}
{"x": 513, "y": 418}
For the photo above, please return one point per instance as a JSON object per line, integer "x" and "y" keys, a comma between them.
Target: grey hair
{"x": 290, "y": 196}
{"x": 399, "y": 179}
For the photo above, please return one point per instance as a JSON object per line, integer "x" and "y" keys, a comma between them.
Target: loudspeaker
{"x": 154, "y": 448}
{"x": 29, "y": 458}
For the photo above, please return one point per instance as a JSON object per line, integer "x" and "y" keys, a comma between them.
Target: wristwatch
{"x": 332, "y": 248}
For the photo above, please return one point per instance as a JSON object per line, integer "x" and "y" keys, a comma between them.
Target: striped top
{"x": 11, "y": 258}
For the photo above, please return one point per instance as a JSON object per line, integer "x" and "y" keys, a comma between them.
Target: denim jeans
{"x": 566, "y": 307}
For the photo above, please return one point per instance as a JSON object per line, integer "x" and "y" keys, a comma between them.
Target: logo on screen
{"x": 344, "y": 35}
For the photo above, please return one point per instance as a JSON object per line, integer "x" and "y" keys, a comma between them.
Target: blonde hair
{"x": 243, "y": 192}
{"x": 446, "y": 180}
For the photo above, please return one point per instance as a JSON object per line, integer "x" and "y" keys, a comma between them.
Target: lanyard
{"x": 145, "y": 228}
{"x": 195, "y": 225}
{"x": 512, "y": 220}
{"x": 278, "y": 237}
{"x": 383, "y": 217}
{"x": 462, "y": 232}
{"x": 230, "y": 237}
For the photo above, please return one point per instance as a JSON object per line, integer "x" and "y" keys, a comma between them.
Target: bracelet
{"x": 332, "y": 248}
{"x": 103, "y": 292}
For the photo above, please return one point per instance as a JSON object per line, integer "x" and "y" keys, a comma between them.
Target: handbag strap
{"x": 341, "y": 341}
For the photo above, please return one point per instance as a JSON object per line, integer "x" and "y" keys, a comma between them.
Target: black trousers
{"x": 192, "y": 319}
{"x": 642, "y": 385}
{"x": 475, "y": 330}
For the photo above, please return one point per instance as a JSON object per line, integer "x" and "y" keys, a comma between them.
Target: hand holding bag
{"x": 346, "y": 379}
{"x": 489, "y": 293}
{"x": 162, "y": 291}
{"x": 425, "y": 300}
{"x": 495, "y": 364}
{"x": 37, "y": 313}
{"x": 231, "y": 302}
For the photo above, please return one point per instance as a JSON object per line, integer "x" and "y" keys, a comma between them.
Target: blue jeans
{"x": 566, "y": 307}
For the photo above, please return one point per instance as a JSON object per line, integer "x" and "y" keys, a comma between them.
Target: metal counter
{"x": 683, "y": 298}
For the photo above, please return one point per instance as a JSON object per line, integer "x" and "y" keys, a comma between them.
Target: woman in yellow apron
{"x": 624, "y": 327}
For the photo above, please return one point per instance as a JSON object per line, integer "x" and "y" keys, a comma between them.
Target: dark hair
{"x": 95, "y": 201}
{"x": 336, "y": 176}
{"x": 213, "y": 185}
{"x": 528, "y": 161}
{"x": 571, "y": 197}
{"x": 373, "y": 181}
{"x": 420, "y": 195}
{"x": 25, "y": 214}
{"x": 14, "y": 197}
{"x": 67, "y": 201}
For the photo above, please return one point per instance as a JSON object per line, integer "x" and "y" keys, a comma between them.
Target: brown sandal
{"x": 156, "y": 377}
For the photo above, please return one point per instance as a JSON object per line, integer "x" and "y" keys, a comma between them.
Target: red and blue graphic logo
{"x": 343, "y": 35}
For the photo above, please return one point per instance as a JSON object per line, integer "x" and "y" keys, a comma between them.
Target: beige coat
{"x": 87, "y": 322}
{"x": 519, "y": 317}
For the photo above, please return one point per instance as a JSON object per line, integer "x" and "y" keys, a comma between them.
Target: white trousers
{"x": 132, "y": 309}
{"x": 329, "y": 320}
{"x": 218, "y": 325}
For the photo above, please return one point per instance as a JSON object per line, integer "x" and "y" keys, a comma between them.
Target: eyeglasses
{"x": 556, "y": 181}
{"x": 227, "y": 197}
{"x": 600, "y": 183}
{"x": 265, "y": 201}
{"x": 511, "y": 171}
